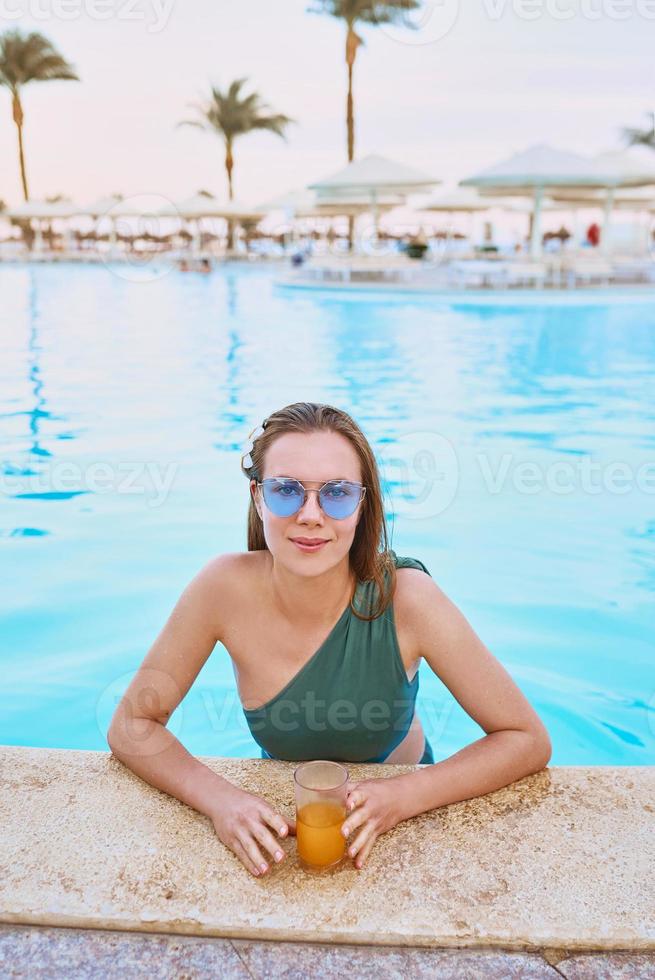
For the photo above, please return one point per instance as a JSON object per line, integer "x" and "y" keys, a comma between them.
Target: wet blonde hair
{"x": 369, "y": 555}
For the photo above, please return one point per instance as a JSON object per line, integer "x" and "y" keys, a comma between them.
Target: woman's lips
{"x": 309, "y": 547}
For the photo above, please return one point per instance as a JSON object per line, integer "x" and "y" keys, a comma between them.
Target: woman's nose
{"x": 311, "y": 508}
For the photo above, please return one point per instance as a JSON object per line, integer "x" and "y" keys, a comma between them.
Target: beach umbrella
{"x": 101, "y": 207}
{"x": 345, "y": 204}
{"x": 543, "y": 168}
{"x": 625, "y": 168}
{"x": 642, "y": 199}
{"x": 628, "y": 175}
{"x": 460, "y": 200}
{"x": 201, "y": 206}
{"x": 534, "y": 172}
{"x": 305, "y": 203}
{"x": 43, "y": 210}
{"x": 522, "y": 206}
{"x": 293, "y": 202}
{"x": 369, "y": 180}
{"x": 105, "y": 207}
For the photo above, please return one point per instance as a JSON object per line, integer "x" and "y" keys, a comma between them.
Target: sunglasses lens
{"x": 283, "y": 497}
{"x": 339, "y": 499}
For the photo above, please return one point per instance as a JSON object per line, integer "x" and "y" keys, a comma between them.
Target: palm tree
{"x": 353, "y": 12}
{"x": 28, "y": 58}
{"x": 229, "y": 114}
{"x": 641, "y": 137}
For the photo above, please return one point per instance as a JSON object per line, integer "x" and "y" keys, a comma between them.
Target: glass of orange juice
{"x": 321, "y": 789}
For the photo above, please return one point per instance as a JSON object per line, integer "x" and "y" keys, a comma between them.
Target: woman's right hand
{"x": 246, "y": 824}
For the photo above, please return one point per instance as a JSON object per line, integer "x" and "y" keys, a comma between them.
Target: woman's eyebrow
{"x": 285, "y": 476}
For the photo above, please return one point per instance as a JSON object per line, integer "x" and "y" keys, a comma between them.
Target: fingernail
{"x": 264, "y": 867}
{"x": 255, "y": 872}
{"x": 282, "y": 830}
{"x": 351, "y": 851}
{"x": 278, "y": 855}
{"x": 345, "y": 831}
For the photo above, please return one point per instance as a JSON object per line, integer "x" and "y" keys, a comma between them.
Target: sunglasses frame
{"x": 307, "y": 491}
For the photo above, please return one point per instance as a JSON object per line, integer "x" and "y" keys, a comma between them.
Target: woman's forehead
{"x": 313, "y": 456}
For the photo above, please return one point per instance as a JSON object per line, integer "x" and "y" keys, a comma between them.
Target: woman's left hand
{"x": 373, "y": 806}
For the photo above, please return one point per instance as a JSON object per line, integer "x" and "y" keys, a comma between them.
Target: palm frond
{"x": 275, "y": 124}
{"x": 31, "y": 58}
{"x": 231, "y": 114}
{"x": 192, "y": 122}
{"x": 640, "y": 137}
{"x": 368, "y": 11}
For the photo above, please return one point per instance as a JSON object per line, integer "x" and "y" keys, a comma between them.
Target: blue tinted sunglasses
{"x": 338, "y": 498}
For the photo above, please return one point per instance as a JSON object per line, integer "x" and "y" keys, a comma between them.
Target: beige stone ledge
{"x": 559, "y": 860}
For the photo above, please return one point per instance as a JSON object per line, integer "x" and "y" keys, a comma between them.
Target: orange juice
{"x": 318, "y": 833}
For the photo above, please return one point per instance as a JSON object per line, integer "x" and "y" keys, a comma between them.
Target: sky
{"x": 477, "y": 81}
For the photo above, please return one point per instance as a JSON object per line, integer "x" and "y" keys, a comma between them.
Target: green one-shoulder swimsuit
{"x": 352, "y": 700}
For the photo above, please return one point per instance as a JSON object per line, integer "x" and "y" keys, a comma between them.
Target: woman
{"x": 326, "y": 627}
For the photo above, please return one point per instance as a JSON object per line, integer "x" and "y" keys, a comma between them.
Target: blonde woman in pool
{"x": 326, "y": 628}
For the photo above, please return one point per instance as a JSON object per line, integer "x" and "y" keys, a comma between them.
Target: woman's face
{"x": 313, "y": 458}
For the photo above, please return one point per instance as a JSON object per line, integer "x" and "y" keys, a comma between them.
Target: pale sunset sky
{"x": 477, "y": 82}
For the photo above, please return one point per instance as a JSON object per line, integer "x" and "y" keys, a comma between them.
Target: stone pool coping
{"x": 559, "y": 860}
{"x": 77, "y": 954}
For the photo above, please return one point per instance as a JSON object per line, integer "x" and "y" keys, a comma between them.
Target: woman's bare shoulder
{"x": 231, "y": 578}
{"x": 414, "y": 589}
{"x": 234, "y": 570}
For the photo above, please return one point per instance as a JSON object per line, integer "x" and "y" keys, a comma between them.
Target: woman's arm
{"x": 137, "y": 735}
{"x": 517, "y": 742}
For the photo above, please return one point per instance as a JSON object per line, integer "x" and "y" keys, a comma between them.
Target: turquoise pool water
{"x": 516, "y": 441}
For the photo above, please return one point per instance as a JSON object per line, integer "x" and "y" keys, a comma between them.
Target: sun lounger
{"x": 586, "y": 272}
{"x": 626, "y": 269}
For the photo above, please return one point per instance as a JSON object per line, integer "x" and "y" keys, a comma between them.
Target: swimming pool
{"x": 516, "y": 439}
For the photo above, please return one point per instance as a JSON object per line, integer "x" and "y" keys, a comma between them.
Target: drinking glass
{"x": 321, "y": 789}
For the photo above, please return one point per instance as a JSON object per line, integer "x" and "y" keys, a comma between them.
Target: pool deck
{"x": 549, "y": 876}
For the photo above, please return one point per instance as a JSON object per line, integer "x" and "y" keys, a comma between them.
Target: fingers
{"x": 280, "y": 825}
{"x": 248, "y": 839}
{"x": 245, "y": 858}
{"x": 358, "y": 839}
{"x": 357, "y": 795}
{"x": 263, "y": 835}
{"x": 354, "y": 820}
{"x": 364, "y": 849}
{"x": 353, "y": 797}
